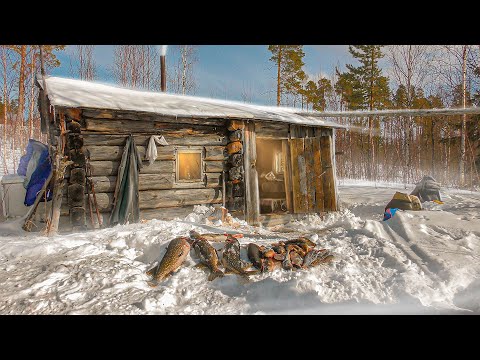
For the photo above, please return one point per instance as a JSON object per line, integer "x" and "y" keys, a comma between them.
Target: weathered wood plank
{"x": 252, "y": 196}
{"x": 186, "y": 137}
{"x": 115, "y": 152}
{"x": 299, "y": 179}
{"x": 328, "y": 178}
{"x": 214, "y": 180}
{"x": 215, "y": 166}
{"x": 170, "y": 198}
{"x": 288, "y": 175}
{"x": 108, "y": 168}
{"x": 318, "y": 169}
{"x": 156, "y": 182}
{"x": 215, "y": 153}
{"x": 107, "y": 114}
{"x": 166, "y": 213}
{"x": 310, "y": 173}
{"x": 153, "y": 199}
{"x": 140, "y": 126}
{"x": 271, "y": 130}
{"x": 145, "y": 182}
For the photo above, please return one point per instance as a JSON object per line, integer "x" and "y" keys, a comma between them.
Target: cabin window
{"x": 189, "y": 165}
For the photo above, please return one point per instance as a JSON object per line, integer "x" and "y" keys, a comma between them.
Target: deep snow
{"x": 424, "y": 262}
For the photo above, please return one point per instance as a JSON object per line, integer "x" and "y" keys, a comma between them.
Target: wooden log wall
{"x": 235, "y": 174}
{"x": 76, "y": 172}
{"x": 101, "y": 137}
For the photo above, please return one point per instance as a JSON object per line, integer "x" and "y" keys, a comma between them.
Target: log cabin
{"x": 266, "y": 165}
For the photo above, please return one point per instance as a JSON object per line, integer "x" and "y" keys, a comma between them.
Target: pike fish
{"x": 208, "y": 257}
{"x": 177, "y": 251}
{"x": 231, "y": 258}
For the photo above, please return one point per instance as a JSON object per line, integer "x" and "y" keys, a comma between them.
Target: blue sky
{"x": 224, "y": 71}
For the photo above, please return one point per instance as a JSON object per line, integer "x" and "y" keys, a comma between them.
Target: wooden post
{"x": 59, "y": 166}
{"x": 317, "y": 158}
{"x": 252, "y": 197}
{"x": 26, "y": 225}
{"x": 330, "y": 201}
{"x": 287, "y": 175}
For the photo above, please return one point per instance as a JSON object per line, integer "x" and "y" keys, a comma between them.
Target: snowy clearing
{"x": 418, "y": 262}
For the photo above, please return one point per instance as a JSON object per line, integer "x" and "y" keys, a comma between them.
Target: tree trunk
{"x": 21, "y": 92}
{"x": 184, "y": 69}
{"x": 279, "y": 63}
{"x": 32, "y": 95}
{"x": 464, "y": 116}
{"x": 433, "y": 147}
{"x": 5, "y": 101}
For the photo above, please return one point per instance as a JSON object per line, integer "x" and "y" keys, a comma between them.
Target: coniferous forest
{"x": 389, "y": 148}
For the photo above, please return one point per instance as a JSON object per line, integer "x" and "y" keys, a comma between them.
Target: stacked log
{"x": 77, "y": 180}
{"x": 235, "y": 180}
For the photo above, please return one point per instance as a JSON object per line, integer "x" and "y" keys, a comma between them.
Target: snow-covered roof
{"x": 71, "y": 93}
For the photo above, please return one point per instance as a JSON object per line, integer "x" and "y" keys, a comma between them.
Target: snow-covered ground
{"x": 423, "y": 262}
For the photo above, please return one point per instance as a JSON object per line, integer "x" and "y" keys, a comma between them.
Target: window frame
{"x": 190, "y": 150}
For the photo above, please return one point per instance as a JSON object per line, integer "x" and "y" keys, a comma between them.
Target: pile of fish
{"x": 288, "y": 255}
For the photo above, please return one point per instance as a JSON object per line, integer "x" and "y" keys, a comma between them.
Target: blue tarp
{"x": 35, "y": 165}
{"x": 389, "y": 213}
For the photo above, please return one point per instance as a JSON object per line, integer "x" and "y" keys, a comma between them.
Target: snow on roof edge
{"x": 73, "y": 93}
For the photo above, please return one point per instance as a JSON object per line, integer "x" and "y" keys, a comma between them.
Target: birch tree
{"x": 182, "y": 78}
{"x": 82, "y": 62}
{"x": 136, "y": 66}
{"x": 409, "y": 68}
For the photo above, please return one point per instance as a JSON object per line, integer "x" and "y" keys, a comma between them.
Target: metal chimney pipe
{"x": 163, "y": 77}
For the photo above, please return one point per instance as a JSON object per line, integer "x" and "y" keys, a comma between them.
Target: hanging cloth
{"x": 126, "y": 198}
{"x": 151, "y": 153}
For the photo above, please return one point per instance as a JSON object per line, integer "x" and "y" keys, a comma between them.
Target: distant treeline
{"x": 379, "y": 77}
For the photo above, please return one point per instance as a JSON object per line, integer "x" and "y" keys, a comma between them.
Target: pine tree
{"x": 290, "y": 75}
{"x": 364, "y": 87}
{"x": 317, "y": 93}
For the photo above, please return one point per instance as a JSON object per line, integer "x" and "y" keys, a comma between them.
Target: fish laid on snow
{"x": 327, "y": 258}
{"x": 279, "y": 251}
{"x": 212, "y": 237}
{"x": 287, "y": 263}
{"x": 177, "y": 251}
{"x": 304, "y": 243}
{"x": 231, "y": 258}
{"x": 255, "y": 255}
{"x": 208, "y": 256}
{"x": 272, "y": 264}
{"x": 317, "y": 257}
{"x": 296, "y": 259}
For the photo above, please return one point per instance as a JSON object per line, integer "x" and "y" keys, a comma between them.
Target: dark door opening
{"x": 271, "y": 176}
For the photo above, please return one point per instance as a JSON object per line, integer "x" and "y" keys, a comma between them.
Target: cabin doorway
{"x": 271, "y": 176}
